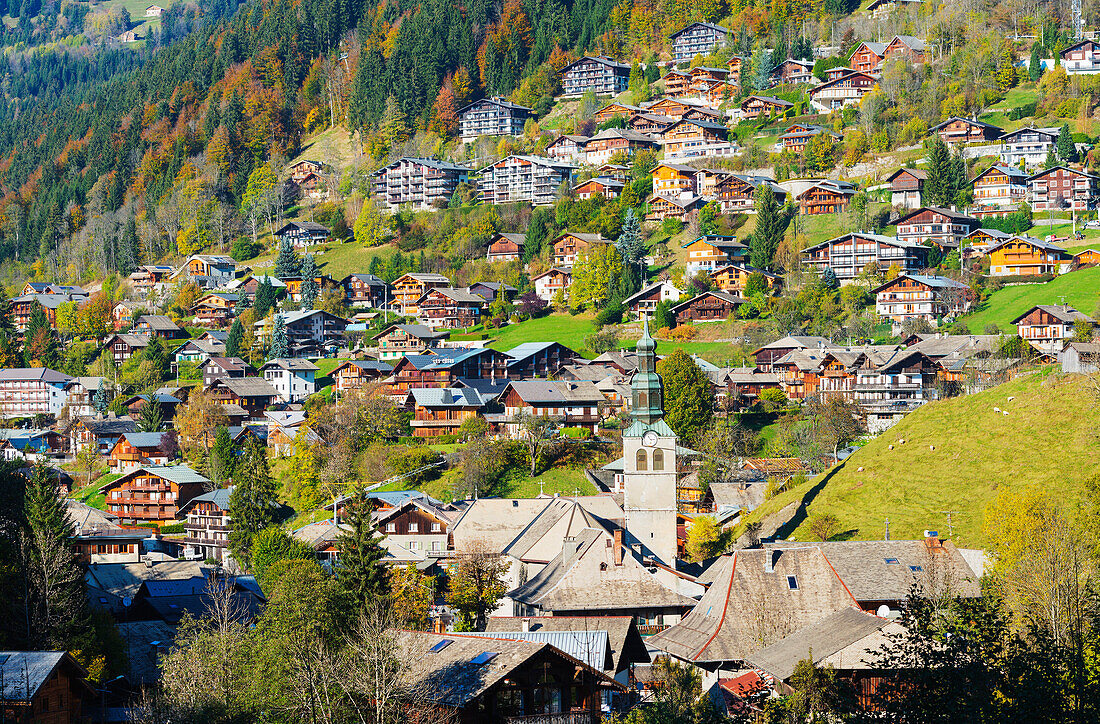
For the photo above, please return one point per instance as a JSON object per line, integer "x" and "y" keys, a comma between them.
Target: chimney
{"x": 569, "y": 549}
{"x": 618, "y": 546}
{"x": 770, "y": 557}
{"x": 932, "y": 539}
{"x": 526, "y": 625}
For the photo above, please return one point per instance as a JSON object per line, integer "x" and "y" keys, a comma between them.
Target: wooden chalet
{"x": 681, "y": 208}
{"x": 796, "y": 137}
{"x": 302, "y": 234}
{"x": 505, "y": 247}
{"x": 569, "y": 246}
{"x": 1062, "y": 187}
{"x": 157, "y": 325}
{"x": 736, "y": 193}
{"x": 931, "y": 225}
{"x": 355, "y": 374}
{"x": 907, "y": 187}
{"x": 793, "y": 71}
{"x": 252, "y": 394}
{"x": 693, "y": 137}
{"x": 122, "y": 314}
{"x": 673, "y": 179}
{"x": 303, "y": 169}
{"x": 44, "y": 687}
{"x": 1027, "y": 256}
{"x": 448, "y": 367}
{"x": 567, "y": 147}
{"x": 711, "y": 251}
{"x": 651, "y": 124}
{"x": 1088, "y": 257}
{"x": 538, "y": 359}
{"x": 550, "y": 282}
{"x": 1047, "y": 327}
{"x": 219, "y": 368}
{"x": 682, "y": 109}
{"x": 611, "y": 142}
{"x": 122, "y": 347}
{"x": 136, "y": 450}
{"x": 398, "y": 340}
{"x": 733, "y": 278}
{"x": 999, "y": 189}
{"x": 442, "y": 410}
{"x": 707, "y": 306}
{"x": 644, "y": 302}
{"x": 366, "y": 289}
{"x": 450, "y": 308}
{"x": 153, "y": 494}
{"x": 677, "y": 83}
{"x": 826, "y": 197}
{"x": 599, "y": 186}
{"x": 846, "y": 90}
{"x": 611, "y": 110}
{"x": 216, "y": 309}
{"x": 575, "y": 403}
{"x": 907, "y": 48}
{"x": 757, "y": 106}
{"x": 918, "y": 296}
{"x": 868, "y": 56}
{"x": 408, "y": 288}
{"x": 966, "y": 130}
{"x": 847, "y": 255}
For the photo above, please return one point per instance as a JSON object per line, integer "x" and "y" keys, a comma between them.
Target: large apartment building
{"x": 491, "y": 117}
{"x": 529, "y": 179}
{"x": 419, "y": 183}
{"x": 697, "y": 39}
{"x": 1029, "y": 145}
{"x": 1062, "y": 188}
{"x": 32, "y": 391}
{"x": 599, "y": 74}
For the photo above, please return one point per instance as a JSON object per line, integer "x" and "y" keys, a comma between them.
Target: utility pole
{"x": 950, "y": 526}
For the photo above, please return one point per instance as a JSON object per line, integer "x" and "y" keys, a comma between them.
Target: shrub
{"x": 683, "y": 333}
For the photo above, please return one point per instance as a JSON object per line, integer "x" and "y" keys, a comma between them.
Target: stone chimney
{"x": 618, "y": 546}
{"x": 770, "y": 557}
{"x": 526, "y": 625}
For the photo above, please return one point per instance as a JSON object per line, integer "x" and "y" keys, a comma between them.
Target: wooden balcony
{"x": 572, "y": 717}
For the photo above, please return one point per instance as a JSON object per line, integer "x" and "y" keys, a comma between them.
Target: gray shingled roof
{"x": 820, "y": 640}
{"x": 551, "y": 392}
{"x": 22, "y": 673}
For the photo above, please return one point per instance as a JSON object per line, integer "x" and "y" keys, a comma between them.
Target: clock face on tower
{"x": 649, "y": 439}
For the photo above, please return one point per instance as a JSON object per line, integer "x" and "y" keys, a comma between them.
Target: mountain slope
{"x": 1080, "y": 289}
{"x": 1049, "y": 439}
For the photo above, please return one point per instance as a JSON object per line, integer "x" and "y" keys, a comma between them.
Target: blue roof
{"x": 398, "y": 497}
{"x": 177, "y": 587}
{"x": 446, "y": 397}
{"x": 590, "y": 647}
{"x": 219, "y": 497}
{"x": 144, "y": 439}
{"x": 525, "y": 350}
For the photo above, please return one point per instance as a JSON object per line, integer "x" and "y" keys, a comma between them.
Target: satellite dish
{"x": 126, "y": 601}
{"x": 883, "y": 611}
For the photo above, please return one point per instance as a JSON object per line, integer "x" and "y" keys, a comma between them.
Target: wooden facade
{"x": 867, "y": 57}
{"x": 942, "y": 227}
{"x": 966, "y": 130}
{"x": 1063, "y": 188}
{"x": 708, "y": 306}
{"x": 825, "y": 198}
{"x": 1025, "y": 256}
{"x": 907, "y": 187}
{"x": 757, "y": 106}
{"x": 732, "y": 278}
{"x": 146, "y": 496}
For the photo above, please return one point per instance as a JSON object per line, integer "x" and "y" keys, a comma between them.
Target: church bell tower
{"x": 649, "y": 461}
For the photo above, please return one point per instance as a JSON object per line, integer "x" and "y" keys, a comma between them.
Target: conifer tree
{"x": 253, "y": 502}
{"x": 309, "y": 288}
{"x": 151, "y": 418}
{"x": 265, "y": 297}
{"x": 156, "y": 356}
{"x": 287, "y": 263}
{"x": 1035, "y": 64}
{"x": 222, "y": 457}
{"x": 630, "y": 244}
{"x": 99, "y": 399}
{"x": 280, "y": 346}
{"x": 360, "y": 575}
{"x": 769, "y": 228}
{"x": 1067, "y": 150}
{"x": 233, "y": 342}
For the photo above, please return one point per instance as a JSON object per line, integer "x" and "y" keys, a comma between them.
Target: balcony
{"x": 573, "y": 717}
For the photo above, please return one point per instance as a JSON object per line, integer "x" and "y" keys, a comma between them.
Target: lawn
{"x": 333, "y": 146}
{"x": 955, "y": 455}
{"x": 90, "y": 495}
{"x": 1080, "y": 289}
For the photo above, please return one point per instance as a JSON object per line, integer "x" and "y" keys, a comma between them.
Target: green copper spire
{"x": 645, "y": 387}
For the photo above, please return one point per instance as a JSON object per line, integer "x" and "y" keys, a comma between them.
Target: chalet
{"x": 122, "y": 314}
{"x": 308, "y": 331}
{"x": 524, "y": 682}
{"x": 697, "y": 39}
{"x": 677, "y": 83}
{"x": 906, "y": 47}
{"x": 366, "y": 289}
{"x": 567, "y": 147}
{"x": 137, "y": 450}
{"x": 418, "y": 183}
{"x": 767, "y": 355}
{"x": 882, "y": 8}
{"x": 907, "y": 187}
{"x": 847, "y": 90}
{"x": 354, "y": 374}
{"x": 793, "y": 71}
{"x": 683, "y": 108}
{"x": 450, "y": 308}
{"x": 294, "y": 285}
{"x": 1026, "y": 256}
{"x": 315, "y": 187}
{"x": 197, "y": 351}
{"x": 943, "y": 227}
{"x": 301, "y": 234}
{"x": 615, "y": 171}
{"x": 124, "y": 346}
{"x": 292, "y": 378}
{"x": 696, "y": 138}
{"x": 574, "y": 404}
{"x": 538, "y": 359}
{"x": 966, "y": 130}
{"x": 248, "y": 285}
{"x": 611, "y": 110}
{"x": 847, "y": 255}
{"x": 826, "y": 197}
{"x": 757, "y": 106}
{"x": 215, "y": 309}
{"x": 99, "y": 432}
{"x": 151, "y": 277}
{"x": 223, "y": 368}
{"x": 890, "y": 388}
{"x": 681, "y": 208}
{"x": 999, "y": 189}
{"x": 491, "y": 117}
{"x": 505, "y": 247}
{"x": 981, "y": 240}
{"x": 733, "y": 278}
{"x": 643, "y": 303}
{"x": 1088, "y": 257}
{"x": 164, "y": 400}
{"x": 614, "y": 141}
{"x": 570, "y": 246}
{"x": 252, "y": 394}
{"x": 419, "y": 526}
{"x": 209, "y": 271}
{"x": 305, "y": 168}
{"x": 736, "y": 193}
{"x": 599, "y": 74}
{"x": 398, "y": 340}
{"x": 1063, "y": 188}
{"x": 702, "y": 76}
{"x": 1083, "y": 57}
{"x": 80, "y": 394}
{"x": 528, "y": 179}
{"x": 796, "y": 137}
{"x": 441, "y": 411}
{"x": 916, "y": 296}
{"x": 157, "y": 325}
{"x": 1029, "y": 146}
{"x": 153, "y": 494}
{"x": 711, "y": 251}
{"x": 206, "y": 526}
{"x": 412, "y": 286}
{"x": 651, "y": 124}
{"x": 609, "y": 188}
{"x": 706, "y": 307}
{"x": 23, "y": 306}
{"x": 672, "y": 179}
{"x": 868, "y": 57}
{"x": 838, "y": 72}
{"x": 46, "y": 687}
{"x": 1047, "y": 327}
{"x": 448, "y": 367}
{"x": 550, "y": 282}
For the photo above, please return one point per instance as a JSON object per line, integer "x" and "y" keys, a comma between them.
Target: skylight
{"x": 484, "y": 657}
{"x": 440, "y": 646}
{"x": 892, "y": 561}
{"x": 915, "y": 569}
{"x": 792, "y": 583}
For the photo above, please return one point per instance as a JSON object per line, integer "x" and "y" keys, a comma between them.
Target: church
{"x": 627, "y": 566}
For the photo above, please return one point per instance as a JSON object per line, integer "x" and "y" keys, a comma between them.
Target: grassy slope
{"x": 1048, "y": 439}
{"x": 1081, "y": 289}
{"x": 332, "y": 146}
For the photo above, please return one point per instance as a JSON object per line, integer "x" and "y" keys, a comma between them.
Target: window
{"x": 440, "y": 646}
{"x": 658, "y": 459}
{"x": 891, "y": 561}
{"x": 915, "y": 569}
{"x": 414, "y": 527}
{"x": 792, "y": 583}
{"x": 484, "y": 657}
{"x": 436, "y": 527}
{"x": 640, "y": 461}
{"x": 391, "y": 527}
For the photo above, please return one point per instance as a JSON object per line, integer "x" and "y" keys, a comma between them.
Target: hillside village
{"x": 692, "y": 381}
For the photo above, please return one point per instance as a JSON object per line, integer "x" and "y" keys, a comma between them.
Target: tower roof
{"x": 645, "y": 386}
